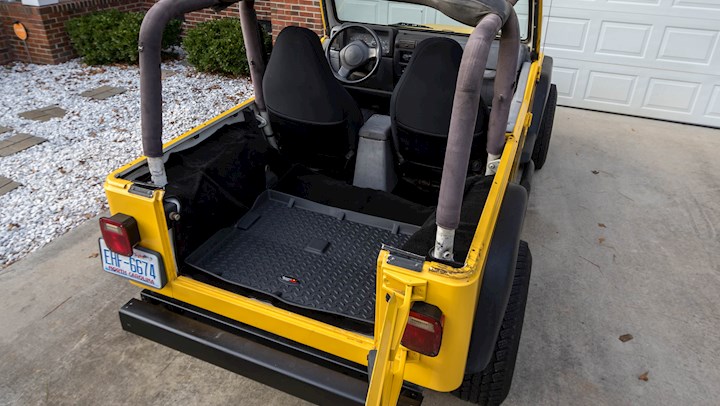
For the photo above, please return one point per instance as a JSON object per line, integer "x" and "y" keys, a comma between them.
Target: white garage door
{"x": 650, "y": 58}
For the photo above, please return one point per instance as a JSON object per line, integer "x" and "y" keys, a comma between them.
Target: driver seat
{"x": 314, "y": 118}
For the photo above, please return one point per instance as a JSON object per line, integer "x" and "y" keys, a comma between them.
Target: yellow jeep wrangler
{"x": 352, "y": 233}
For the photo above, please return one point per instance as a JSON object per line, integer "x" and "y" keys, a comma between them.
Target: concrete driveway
{"x": 623, "y": 226}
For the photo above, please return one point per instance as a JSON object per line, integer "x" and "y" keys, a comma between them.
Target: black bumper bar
{"x": 290, "y": 367}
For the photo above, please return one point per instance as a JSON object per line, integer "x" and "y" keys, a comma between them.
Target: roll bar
{"x": 149, "y": 47}
{"x": 494, "y": 16}
{"x": 464, "y": 115}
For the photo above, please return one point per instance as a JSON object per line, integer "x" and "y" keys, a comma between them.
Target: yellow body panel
{"x": 453, "y": 290}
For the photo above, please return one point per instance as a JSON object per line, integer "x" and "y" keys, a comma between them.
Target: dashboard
{"x": 368, "y": 39}
{"x": 354, "y": 33}
{"x": 398, "y": 45}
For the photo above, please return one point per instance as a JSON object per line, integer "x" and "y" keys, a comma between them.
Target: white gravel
{"x": 62, "y": 178}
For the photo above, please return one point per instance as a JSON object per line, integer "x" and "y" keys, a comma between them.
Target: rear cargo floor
{"x": 303, "y": 253}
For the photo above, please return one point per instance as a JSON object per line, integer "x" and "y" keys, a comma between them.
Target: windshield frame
{"x": 463, "y": 30}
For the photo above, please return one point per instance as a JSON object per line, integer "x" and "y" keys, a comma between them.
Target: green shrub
{"x": 112, "y": 36}
{"x": 217, "y": 46}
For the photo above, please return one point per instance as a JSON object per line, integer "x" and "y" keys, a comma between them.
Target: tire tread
{"x": 492, "y": 385}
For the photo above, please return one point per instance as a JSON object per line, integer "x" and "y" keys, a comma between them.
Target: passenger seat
{"x": 421, "y": 106}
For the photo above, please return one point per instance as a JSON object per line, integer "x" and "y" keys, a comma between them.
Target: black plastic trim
{"x": 497, "y": 278}
{"x": 528, "y": 170}
{"x": 542, "y": 91}
{"x": 246, "y": 351}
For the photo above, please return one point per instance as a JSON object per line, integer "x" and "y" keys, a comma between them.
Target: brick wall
{"x": 280, "y": 14}
{"x": 48, "y": 42}
{"x": 305, "y": 13}
{"x": 6, "y": 54}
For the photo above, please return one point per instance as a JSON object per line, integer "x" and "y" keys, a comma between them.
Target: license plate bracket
{"x": 144, "y": 266}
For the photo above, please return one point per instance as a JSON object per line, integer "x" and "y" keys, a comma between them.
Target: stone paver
{"x": 165, "y": 73}
{"x": 43, "y": 114}
{"x": 4, "y": 129}
{"x": 7, "y": 185}
{"x": 18, "y": 142}
{"x": 103, "y": 92}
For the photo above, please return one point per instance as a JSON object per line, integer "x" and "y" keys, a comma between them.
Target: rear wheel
{"x": 492, "y": 385}
{"x": 542, "y": 145}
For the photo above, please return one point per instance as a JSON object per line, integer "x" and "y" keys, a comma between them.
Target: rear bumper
{"x": 285, "y": 365}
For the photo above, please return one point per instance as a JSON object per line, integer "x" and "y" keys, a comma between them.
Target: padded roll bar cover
{"x": 149, "y": 47}
{"x": 469, "y": 12}
{"x": 462, "y": 122}
{"x": 253, "y": 49}
{"x": 504, "y": 84}
{"x": 497, "y": 278}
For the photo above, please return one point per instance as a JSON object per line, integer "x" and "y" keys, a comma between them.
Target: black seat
{"x": 314, "y": 118}
{"x": 421, "y": 107}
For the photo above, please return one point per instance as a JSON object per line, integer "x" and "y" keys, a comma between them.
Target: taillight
{"x": 424, "y": 329}
{"x": 120, "y": 233}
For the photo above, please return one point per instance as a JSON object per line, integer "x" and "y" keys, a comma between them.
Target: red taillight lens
{"x": 120, "y": 233}
{"x": 424, "y": 329}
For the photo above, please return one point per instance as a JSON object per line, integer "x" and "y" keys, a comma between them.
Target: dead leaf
{"x": 101, "y": 120}
{"x": 601, "y": 225}
{"x": 595, "y": 172}
{"x": 601, "y": 240}
{"x": 12, "y": 226}
{"x": 626, "y": 337}
{"x": 93, "y": 255}
{"x": 644, "y": 376}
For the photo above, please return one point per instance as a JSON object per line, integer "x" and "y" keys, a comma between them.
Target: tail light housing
{"x": 424, "y": 329}
{"x": 120, "y": 233}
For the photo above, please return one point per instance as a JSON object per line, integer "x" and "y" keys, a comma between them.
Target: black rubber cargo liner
{"x": 304, "y": 254}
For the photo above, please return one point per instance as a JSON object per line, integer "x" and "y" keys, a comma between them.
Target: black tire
{"x": 542, "y": 144}
{"x": 492, "y": 385}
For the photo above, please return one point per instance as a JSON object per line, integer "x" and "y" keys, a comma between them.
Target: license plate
{"x": 143, "y": 266}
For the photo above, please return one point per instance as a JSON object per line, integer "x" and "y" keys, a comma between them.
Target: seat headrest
{"x": 298, "y": 82}
{"x": 423, "y": 97}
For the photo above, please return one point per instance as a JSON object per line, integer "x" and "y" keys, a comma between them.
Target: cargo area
{"x": 303, "y": 253}
{"x": 307, "y": 240}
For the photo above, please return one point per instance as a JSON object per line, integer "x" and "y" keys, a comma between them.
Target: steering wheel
{"x": 353, "y": 55}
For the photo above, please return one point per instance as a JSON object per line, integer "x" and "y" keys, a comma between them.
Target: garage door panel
{"x": 638, "y": 59}
{"x": 399, "y": 12}
{"x": 655, "y": 93}
{"x": 698, "y": 9}
{"x": 626, "y": 39}
{"x": 713, "y": 108}
{"x": 610, "y": 88}
{"x": 705, "y": 5}
{"x": 671, "y": 95}
{"x": 688, "y": 45}
{"x": 623, "y": 39}
{"x": 566, "y": 81}
{"x": 567, "y": 34}
{"x": 364, "y": 10}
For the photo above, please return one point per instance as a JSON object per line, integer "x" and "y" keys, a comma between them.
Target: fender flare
{"x": 542, "y": 91}
{"x": 497, "y": 279}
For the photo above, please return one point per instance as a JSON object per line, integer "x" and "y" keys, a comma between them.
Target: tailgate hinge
{"x": 388, "y": 369}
